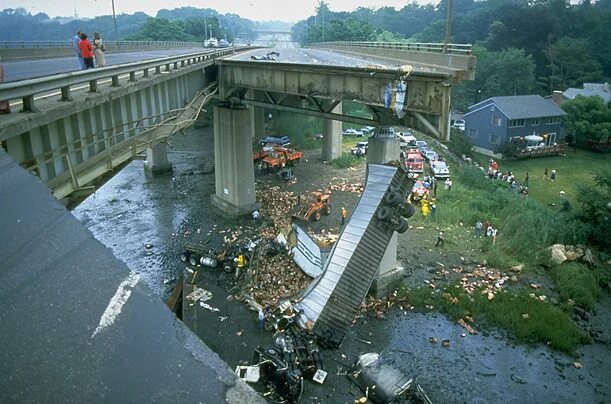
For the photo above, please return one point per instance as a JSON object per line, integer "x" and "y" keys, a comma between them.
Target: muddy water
{"x": 146, "y": 221}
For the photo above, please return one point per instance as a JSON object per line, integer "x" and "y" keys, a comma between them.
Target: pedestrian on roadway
{"x": 75, "y": 42}
{"x": 344, "y": 214}
{"x": 98, "y": 50}
{"x": 86, "y": 51}
{"x": 440, "y": 239}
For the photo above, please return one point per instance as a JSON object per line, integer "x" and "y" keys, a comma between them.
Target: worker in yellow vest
{"x": 424, "y": 206}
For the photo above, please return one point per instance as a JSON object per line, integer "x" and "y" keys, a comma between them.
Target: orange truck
{"x": 280, "y": 157}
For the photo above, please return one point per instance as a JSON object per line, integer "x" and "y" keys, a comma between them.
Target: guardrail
{"x": 68, "y": 44}
{"x": 26, "y": 90}
{"x": 451, "y": 48}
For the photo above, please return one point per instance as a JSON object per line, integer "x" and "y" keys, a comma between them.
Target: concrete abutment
{"x": 332, "y": 137}
{"x": 157, "y": 160}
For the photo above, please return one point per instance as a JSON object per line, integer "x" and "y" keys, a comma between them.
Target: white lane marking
{"x": 116, "y": 303}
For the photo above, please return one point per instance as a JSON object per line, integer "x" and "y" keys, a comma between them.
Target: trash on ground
{"x": 249, "y": 374}
{"x": 199, "y": 294}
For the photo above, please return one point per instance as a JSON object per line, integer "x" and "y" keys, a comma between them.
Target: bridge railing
{"x": 451, "y": 48}
{"x": 68, "y": 44}
{"x": 60, "y": 84}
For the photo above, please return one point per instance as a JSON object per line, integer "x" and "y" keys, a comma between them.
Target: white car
{"x": 459, "y": 124}
{"x": 353, "y": 132}
{"x": 440, "y": 169}
{"x": 406, "y": 137}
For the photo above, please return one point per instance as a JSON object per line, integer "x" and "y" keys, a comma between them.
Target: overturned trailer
{"x": 329, "y": 305}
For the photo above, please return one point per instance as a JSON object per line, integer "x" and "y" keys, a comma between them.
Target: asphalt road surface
{"x": 29, "y": 69}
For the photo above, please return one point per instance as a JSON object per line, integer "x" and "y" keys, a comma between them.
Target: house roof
{"x": 522, "y": 106}
{"x": 590, "y": 90}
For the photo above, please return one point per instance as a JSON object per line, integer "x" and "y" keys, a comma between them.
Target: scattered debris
{"x": 518, "y": 379}
{"x": 464, "y": 324}
{"x": 249, "y": 374}
{"x": 577, "y": 365}
{"x": 199, "y": 293}
{"x": 445, "y": 343}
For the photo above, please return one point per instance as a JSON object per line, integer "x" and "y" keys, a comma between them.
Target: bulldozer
{"x": 313, "y": 206}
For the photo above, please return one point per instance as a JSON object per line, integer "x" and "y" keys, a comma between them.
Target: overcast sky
{"x": 284, "y": 10}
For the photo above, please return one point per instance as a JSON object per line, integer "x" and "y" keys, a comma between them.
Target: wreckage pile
{"x": 341, "y": 185}
{"x": 486, "y": 280}
{"x": 277, "y": 278}
{"x": 276, "y": 209}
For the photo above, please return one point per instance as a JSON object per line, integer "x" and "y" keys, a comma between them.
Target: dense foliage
{"x": 588, "y": 118}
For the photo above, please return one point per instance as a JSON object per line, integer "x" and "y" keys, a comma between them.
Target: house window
{"x": 472, "y": 133}
{"x": 535, "y": 122}
{"x": 495, "y": 139}
{"x": 515, "y": 123}
{"x": 495, "y": 120}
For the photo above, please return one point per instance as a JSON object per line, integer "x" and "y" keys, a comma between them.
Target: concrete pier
{"x": 234, "y": 169}
{"x": 157, "y": 160}
{"x": 381, "y": 150}
{"x": 332, "y": 137}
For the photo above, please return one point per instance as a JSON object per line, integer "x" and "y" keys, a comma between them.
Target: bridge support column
{"x": 157, "y": 160}
{"x": 258, "y": 115}
{"x": 234, "y": 169}
{"x": 390, "y": 272}
{"x": 332, "y": 137}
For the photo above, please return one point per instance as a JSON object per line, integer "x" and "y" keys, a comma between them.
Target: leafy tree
{"x": 595, "y": 209}
{"x": 508, "y": 72}
{"x": 588, "y": 118}
{"x": 459, "y": 143}
{"x": 161, "y": 29}
{"x": 572, "y": 64}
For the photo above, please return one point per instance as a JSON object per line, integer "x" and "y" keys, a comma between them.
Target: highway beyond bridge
{"x": 69, "y": 129}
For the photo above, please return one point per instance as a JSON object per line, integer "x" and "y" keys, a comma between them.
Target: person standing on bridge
{"x": 75, "y": 42}
{"x": 98, "y": 50}
{"x": 86, "y": 51}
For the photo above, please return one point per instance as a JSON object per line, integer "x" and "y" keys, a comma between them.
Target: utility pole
{"x": 114, "y": 21}
{"x": 448, "y": 28}
{"x": 323, "y": 24}
{"x": 206, "y": 27}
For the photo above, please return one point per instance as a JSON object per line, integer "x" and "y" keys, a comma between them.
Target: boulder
{"x": 571, "y": 255}
{"x": 558, "y": 256}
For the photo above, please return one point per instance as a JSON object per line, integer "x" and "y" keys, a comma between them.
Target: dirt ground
{"x": 131, "y": 211}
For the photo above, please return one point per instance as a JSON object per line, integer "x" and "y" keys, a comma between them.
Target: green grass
{"x": 577, "y": 282}
{"x": 545, "y": 324}
{"x": 347, "y": 160}
{"x": 577, "y": 167}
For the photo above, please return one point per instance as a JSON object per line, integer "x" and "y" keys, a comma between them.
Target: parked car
{"x": 440, "y": 169}
{"x": 406, "y": 137}
{"x": 360, "y": 149}
{"x": 223, "y": 43}
{"x": 368, "y": 130}
{"x": 420, "y": 143}
{"x": 279, "y": 140}
{"x": 430, "y": 155}
{"x": 353, "y": 132}
{"x": 459, "y": 124}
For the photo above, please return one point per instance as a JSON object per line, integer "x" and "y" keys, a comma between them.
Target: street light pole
{"x": 114, "y": 20}
{"x": 448, "y": 27}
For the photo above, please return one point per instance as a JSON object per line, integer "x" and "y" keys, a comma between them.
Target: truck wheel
{"x": 384, "y": 213}
{"x": 194, "y": 259}
{"x": 407, "y": 210}
{"x": 392, "y": 198}
{"x": 184, "y": 257}
{"x": 402, "y": 226}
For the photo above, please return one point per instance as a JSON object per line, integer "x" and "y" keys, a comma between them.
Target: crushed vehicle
{"x": 273, "y": 56}
{"x": 383, "y": 383}
{"x": 313, "y": 206}
{"x": 275, "y": 140}
{"x": 440, "y": 169}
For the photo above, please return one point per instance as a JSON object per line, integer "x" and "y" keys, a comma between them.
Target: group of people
{"x": 508, "y": 177}
{"x": 86, "y": 51}
{"x": 486, "y": 229}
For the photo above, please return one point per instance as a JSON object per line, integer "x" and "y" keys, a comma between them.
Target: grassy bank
{"x": 577, "y": 167}
{"x": 525, "y": 318}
